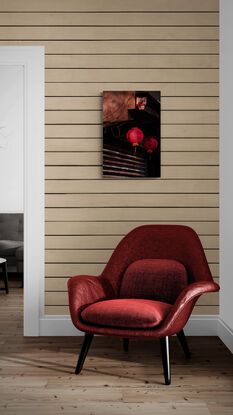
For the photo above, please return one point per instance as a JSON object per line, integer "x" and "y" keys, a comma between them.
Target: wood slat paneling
{"x": 187, "y": 103}
{"x": 106, "y": 5}
{"x": 166, "y": 45}
{"x": 135, "y": 214}
{"x": 134, "y": 75}
{"x": 118, "y": 228}
{"x": 162, "y": 47}
{"x": 68, "y": 270}
{"x": 109, "y": 19}
{"x": 167, "y": 172}
{"x": 67, "y": 89}
{"x": 101, "y": 256}
{"x": 89, "y": 131}
{"x": 95, "y": 144}
{"x": 167, "y": 158}
{"x": 131, "y": 200}
{"x": 105, "y": 242}
{"x": 109, "y": 33}
{"x": 132, "y": 186}
{"x": 167, "y": 103}
{"x": 131, "y": 61}
{"x": 167, "y": 117}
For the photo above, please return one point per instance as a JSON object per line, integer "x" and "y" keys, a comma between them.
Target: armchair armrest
{"x": 181, "y": 310}
{"x": 84, "y": 290}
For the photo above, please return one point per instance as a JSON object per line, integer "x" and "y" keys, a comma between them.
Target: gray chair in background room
{"x": 11, "y": 241}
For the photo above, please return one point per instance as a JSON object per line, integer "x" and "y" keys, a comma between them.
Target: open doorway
{"x": 22, "y": 180}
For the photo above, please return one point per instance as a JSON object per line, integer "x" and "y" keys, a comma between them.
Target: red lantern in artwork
{"x": 150, "y": 144}
{"x": 135, "y": 136}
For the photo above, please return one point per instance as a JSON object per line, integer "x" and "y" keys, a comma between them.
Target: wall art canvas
{"x": 131, "y": 134}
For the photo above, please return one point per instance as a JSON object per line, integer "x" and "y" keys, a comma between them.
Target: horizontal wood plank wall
{"x": 166, "y": 45}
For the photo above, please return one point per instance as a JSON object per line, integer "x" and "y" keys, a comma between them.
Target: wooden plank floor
{"x": 36, "y": 374}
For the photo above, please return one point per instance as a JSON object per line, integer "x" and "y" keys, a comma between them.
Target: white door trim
{"x": 32, "y": 60}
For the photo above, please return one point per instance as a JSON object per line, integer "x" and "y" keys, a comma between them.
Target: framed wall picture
{"x": 131, "y": 134}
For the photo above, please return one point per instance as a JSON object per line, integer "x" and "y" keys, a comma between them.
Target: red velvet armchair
{"x": 147, "y": 290}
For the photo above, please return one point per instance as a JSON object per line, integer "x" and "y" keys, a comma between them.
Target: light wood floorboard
{"x": 37, "y": 374}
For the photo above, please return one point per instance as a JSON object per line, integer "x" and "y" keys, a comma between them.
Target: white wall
{"x": 11, "y": 138}
{"x": 226, "y": 164}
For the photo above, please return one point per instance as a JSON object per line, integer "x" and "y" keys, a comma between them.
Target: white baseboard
{"x": 198, "y": 325}
{"x": 202, "y": 325}
{"x": 225, "y": 334}
{"x": 58, "y": 326}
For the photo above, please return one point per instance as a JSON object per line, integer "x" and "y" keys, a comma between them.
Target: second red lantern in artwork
{"x": 150, "y": 144}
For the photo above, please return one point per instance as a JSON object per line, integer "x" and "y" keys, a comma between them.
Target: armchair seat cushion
{"x": 126, "y": 313}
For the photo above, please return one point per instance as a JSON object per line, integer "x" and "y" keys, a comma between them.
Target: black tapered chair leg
{"x": 5, "y": 276}
{"x": 126, "y": 344}
{"x": 164, "y": 344}
{"x": 183, "y": 341}
{"x": 83, "y": 353}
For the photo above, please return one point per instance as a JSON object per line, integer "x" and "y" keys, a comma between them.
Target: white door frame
{"x": 31, "y": 58}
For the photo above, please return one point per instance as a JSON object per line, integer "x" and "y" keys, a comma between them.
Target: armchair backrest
{"x": 175, "y": 242}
